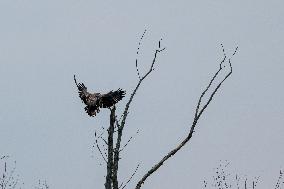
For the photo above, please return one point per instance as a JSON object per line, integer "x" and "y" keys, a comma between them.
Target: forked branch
{"x": 199, "y": 111}
{"x": 120, "y": 126}
{"x": 98, "y": 147}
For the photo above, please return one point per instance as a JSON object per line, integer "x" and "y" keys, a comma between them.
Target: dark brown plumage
{"x": 95, "y": 101}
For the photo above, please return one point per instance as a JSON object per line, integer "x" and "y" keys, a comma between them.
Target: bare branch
{"x": 255, "y": 182}
{"x": 125, "y": 113}
{"x": 121, "y": 185}
{"x": 104, "y": 141}
{"x": 42, "y": 185}
{"x": 137, "y": 53}
{"x": 98, "y": 147}
{"x": 100, "y": 135}
{"x": 3, "y": 157}
{"x": 218, "y": 86}
{"x": 117, "y": 124}
{"x": 221, "y": 176}
{"x": 195, "y": 120}
{"x": 238, "y": 181}
{"x": 129, "y": 140}
{"x": 211, "y": 81}
{"x": 205, "y": 183}
{"x": 135, "y": 171}
{"x": 102, "y": 148}
{"x": 278, "y": 184}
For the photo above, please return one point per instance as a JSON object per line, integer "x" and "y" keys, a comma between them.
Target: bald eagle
{"x": 95, "y": 101}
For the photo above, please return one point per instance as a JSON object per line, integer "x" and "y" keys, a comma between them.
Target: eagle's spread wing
{"x": 82, "y": 90}
{"x": 111, "y": 98}
{"x": 89, "y": 99}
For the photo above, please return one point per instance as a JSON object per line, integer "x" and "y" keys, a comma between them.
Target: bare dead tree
{"x": 223, "y": 179}
{"x": 115, "y": 131}
{"x": 9, "y": 179}
{"x": 115, "y": 147}
{"x": 42, "y": 185}
{"x": 110, "y": 163}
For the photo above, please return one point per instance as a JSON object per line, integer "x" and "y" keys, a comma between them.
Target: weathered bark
{"x": 115, "y": 166}
{"x": 108, "y": 184}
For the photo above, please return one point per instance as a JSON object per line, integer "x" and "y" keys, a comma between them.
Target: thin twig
{"x": 104, "y": 141}
{"x": 237, "y": 181}
{"x": 98, "y": 147}
{"x": 279, "y": 180}
{"x": 121, "y": 185}
{"x": 205, "y": 183}
{"x": 3, "y": 157}
{"x": 117, "y": 122}
{"x": 135, "y": 171}
{"x": 129, "y": 140}
{"x": 137, "y": 53}
{"x": 254, "y": 183}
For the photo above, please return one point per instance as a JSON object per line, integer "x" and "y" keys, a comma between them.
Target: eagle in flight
{"x": 95, "y": 101}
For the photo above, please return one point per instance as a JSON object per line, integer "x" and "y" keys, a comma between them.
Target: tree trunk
{"x": 108, "y": 184}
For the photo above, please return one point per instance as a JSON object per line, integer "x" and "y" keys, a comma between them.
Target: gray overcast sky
{"x": 44, "y": 127}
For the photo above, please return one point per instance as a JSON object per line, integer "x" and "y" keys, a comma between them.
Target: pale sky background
{"x": 45, "y": 129}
